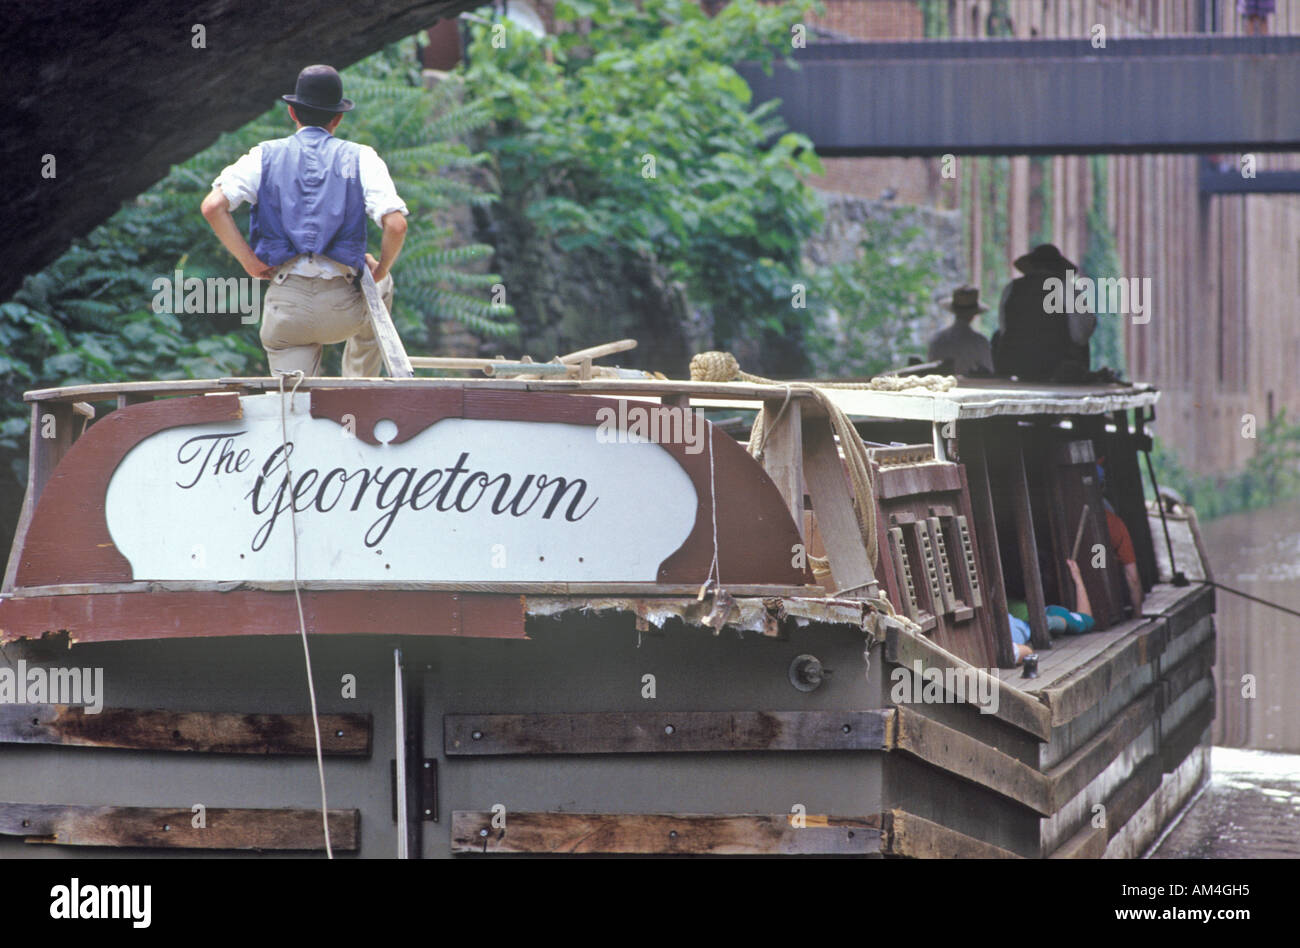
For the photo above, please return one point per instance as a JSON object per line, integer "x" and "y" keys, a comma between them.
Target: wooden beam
{"x": 599, "y": 352}
{"x": 602, "y": 590}
{"x": 645, "y": 732}
{"x": 687, "y": 834}
{"x": 1015, "y": 707}
{"x": 390, "y": 343}
{"x": 1132, "y": 794}
{"x": 1189, "y": 671}
{"x": 1088, "y": 843}
{"x": 139, "y": 827}
{"x": 208, "y": 732}
{"x": 1086, "y": 686}
{"x": 909, "y": 835}
{"x": 51, "y": 436}
{"x": 1176, "y": 745}
{"x": 1068, "y": 778}
{"x": 126, "y": 399}
{"x": 1040, "y": 638}
{"x": 971, "y": 441}
{"x": 783, "y": 453}
{"x": 832, "y": 504}
{"x": 970, "y": 758}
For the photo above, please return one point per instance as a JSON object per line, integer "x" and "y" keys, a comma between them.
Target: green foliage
{"x": 1043, "y": 193}
{"x": 1271, "y": 476}
{"x": 628, "y": 133}
{"x": 1100, "y": 261}
{"x": 873, "y": 304}
{"x": 994, "y": 272}
{"x": 88, "y": 316}
{"x": 934, "y": 18}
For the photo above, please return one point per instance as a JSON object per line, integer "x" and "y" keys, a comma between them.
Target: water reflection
{"x": 1249, "y": 810}
{"x": 1259, "y": 553}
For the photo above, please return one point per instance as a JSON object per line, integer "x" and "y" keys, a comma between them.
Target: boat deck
{"x": 1073, "y": 653}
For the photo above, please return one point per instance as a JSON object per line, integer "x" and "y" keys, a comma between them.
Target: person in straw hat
{"x": 963, "y": 347}
{"x": 311, "y": 194}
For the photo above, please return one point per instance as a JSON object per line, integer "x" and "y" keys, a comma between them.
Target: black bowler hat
{"x": 319, "y": 87}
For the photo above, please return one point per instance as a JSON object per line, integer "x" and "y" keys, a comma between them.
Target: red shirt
{"x": 1120, "y": 539}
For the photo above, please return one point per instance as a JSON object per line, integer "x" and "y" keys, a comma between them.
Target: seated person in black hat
{"x": 1037, "y": 341}
{"x": 960, "y": 346}
{"x": 311, "y": 194}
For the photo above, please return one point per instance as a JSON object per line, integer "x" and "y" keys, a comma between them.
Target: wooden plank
{"x": 783, "y": 453}
{"x": 687, "y": 834}
{"x": 735, "y": 391}
{"x": 989, "y": 554}
{"x": 20, "y": 535}
{"x": 51, "y": 436}
{"x": 1083, "y": 688}
{"x": 909, "y": 835}
{"x": 1040, "y": 638}
{"x": 1176, "y": 745}
{"x": 657, "y": 732}
{"x": 901, "y": 481}
{"x": 967, "y": 757}
{"x": 1189, "y": 671}
{"x": 1068, "y": 778}
{"x": 1015, "y": 707}
{"x": 132, "y": 617}
{"x": 127, "y": 399}
{"x": 390, "y": 343}
{"x": 661, "y": 590}
{"x": 208, "y": 732}
{"x": 600, "y": 351}
{"x": 832, "y": 504}
{"x": 172, "y": 827}
{"x": 1088, "y": 843}
{"x": 1130, "y": 797}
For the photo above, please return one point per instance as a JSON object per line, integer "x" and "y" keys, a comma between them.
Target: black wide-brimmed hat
{"x": 1044, "y": 258}
{"x": 319, "y": 87}
{"x": 964, "y": 300}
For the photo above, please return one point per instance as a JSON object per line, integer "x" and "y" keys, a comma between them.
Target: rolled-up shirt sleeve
{"x": 239, "y": 182}
{"x": 377, "y": 183}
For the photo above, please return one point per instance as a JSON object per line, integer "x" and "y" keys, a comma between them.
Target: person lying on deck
{"x": 1059, "y": 619}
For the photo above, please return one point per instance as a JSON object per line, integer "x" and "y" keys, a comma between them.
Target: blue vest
{"x": 310, "y": 200}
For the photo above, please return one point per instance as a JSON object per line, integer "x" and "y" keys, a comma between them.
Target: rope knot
{"x": 714, "y": 367}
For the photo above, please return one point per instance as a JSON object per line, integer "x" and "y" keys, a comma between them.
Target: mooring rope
{"x": 297, "y": 595}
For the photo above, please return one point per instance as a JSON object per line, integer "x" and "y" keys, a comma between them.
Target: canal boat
{"x": 593, "y": 615}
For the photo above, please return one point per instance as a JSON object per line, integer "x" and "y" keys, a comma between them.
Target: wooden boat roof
{"x": 970, "y": 399}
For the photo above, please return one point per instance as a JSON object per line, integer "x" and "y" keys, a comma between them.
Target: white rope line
{"x": 715, "y": 574}
{"x": 297, "y": 595}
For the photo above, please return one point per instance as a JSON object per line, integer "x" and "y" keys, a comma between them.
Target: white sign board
{"x": 464, "y": 500}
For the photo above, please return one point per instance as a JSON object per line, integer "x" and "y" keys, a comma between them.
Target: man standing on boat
{"x": 310, "y": 195}
{"x": 964, "y": 347}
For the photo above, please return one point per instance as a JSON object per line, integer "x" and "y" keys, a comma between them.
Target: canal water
{"x": 1251, "y": 806}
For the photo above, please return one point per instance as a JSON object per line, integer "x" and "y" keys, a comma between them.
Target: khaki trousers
{"x": 301, "y": 314}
